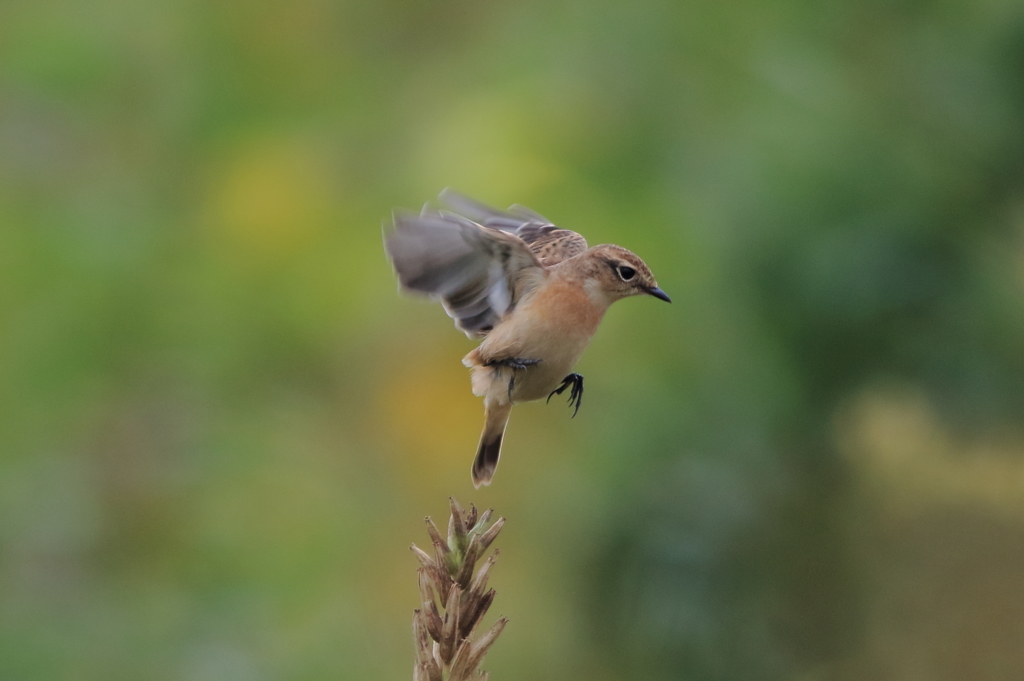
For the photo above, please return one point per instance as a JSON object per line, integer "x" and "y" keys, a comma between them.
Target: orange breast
{"x": 567, "y": 308}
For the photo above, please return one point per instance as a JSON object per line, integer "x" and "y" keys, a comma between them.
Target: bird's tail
{"x": 495, "y": 420}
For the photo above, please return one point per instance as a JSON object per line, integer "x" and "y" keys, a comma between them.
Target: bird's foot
{"x": 513, "y": 362}
{"x": 575, "y": 381}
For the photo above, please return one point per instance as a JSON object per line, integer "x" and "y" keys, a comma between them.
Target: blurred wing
{"x": 548, "y": 243}
{"x": 478, "y": 273}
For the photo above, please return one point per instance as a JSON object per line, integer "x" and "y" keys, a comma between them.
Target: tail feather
{"x": 487, "y": 453}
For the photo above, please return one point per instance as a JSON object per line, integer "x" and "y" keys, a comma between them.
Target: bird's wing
{"x": 479, "y": 273}
{"x": 550, "y": 244}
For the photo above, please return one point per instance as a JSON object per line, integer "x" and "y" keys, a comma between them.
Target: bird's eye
{"x": 626, "y": 273}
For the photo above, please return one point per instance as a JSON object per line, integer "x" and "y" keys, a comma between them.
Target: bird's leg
{"x": 513, "y": 363}
{"x": 575, "y": 395}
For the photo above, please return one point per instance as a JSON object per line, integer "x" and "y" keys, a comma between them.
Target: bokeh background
{"x": 221, "y": 425}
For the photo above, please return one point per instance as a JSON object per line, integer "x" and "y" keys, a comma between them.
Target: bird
{"x": 533, "y": 293}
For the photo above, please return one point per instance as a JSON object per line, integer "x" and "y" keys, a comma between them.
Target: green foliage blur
{"x": 221, "y": 426}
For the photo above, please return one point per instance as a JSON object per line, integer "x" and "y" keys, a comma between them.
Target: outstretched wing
{"x": 479, "y": 273}
{"x": 548, "y": 243}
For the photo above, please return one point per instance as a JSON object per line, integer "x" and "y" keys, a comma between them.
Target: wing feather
{"x": 479, "y": 273}
{"x": 548, "y": 243}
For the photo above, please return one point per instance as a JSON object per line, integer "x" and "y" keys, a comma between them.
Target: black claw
{"x": 575, "y": 395}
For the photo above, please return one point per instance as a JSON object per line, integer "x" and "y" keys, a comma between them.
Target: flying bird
{"x": 533, "y": 292}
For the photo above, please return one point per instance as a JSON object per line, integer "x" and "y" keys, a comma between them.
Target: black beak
{"x": 658, "y": 293}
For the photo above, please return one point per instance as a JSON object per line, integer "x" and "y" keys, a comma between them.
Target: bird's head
{"x": 620, "y": 273}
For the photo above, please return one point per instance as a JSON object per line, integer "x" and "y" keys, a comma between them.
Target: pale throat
{"x": 597, "y": 294}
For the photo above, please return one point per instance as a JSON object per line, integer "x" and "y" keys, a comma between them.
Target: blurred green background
{"x": 220, "y": 424}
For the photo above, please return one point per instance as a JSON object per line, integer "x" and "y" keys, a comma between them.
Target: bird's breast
{"x": 560, "y": 317}
{"x": 555, "y": 326}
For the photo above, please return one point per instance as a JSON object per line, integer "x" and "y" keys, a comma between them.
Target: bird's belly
{"x": 537, "y": 382}
{"x": 502, "y": 383}
{"x": 558, "y": 354}
{"x": 552, "y": 330}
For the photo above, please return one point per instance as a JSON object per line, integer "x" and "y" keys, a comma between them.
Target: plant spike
{"x": 454, "y": 597}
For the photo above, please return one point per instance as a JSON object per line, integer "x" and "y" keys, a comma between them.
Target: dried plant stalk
{"x": 455, "y": 598}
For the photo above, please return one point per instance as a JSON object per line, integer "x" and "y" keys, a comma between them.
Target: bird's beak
{"x": 658, "y": 293}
